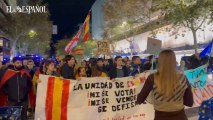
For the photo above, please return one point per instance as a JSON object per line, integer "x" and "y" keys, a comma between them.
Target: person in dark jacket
{"x": 106, "y": 66}
{"x": 194, "y": 61}
{"x": 16, "y": 84}
{"x": 100, "y": 64}
{"x": 135, "y": 67}
{"x": 118, "y": 70}
{"x": 151, "y": 63}
{"x": 67, "y": 70}
{"x": 30, "y": 67}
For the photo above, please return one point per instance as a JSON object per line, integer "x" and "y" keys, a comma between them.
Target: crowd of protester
{"x": 20, "y": 77}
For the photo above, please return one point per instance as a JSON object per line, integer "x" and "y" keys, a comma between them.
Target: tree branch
{"x": 201, "y": 23}
{"x": 183, "y": 24}
{"x": 187, "y": 24}
{"x": 19, "y": 35}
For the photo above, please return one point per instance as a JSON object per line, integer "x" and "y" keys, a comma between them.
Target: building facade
{"x": 97, "y": 20}
{"x": 178, "y": 39}
{"x": 4, "y": 48}
{"x": 4, "y": 41}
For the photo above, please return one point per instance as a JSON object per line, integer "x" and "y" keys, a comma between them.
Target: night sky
{"x": 67, "y": 15}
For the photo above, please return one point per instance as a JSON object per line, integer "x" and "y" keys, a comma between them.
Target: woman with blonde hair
{"x": 171, "y": 89}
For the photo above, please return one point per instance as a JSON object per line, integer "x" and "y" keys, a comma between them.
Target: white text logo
{"x": 27, "y": 9}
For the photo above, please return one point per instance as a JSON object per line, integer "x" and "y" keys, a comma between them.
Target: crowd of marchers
{"x": 18, "y": 79}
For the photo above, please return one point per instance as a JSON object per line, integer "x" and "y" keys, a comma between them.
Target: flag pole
{"x": 207, "y": 64}
{"x": 209, "y": 55}
{"x": 70, "y": 52}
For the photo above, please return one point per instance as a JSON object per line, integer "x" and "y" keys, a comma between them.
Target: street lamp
{"x": 32, "y": 33}
{"x": 124, "y": 24}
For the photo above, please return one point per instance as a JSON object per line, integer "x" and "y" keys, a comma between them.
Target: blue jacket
{"x": 134, "y": 69}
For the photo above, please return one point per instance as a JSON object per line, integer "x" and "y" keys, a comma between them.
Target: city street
{"x": 106, "y": 59}
{"x": 192, "y": 113}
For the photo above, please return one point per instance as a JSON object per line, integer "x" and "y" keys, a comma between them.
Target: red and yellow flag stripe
{"x": 57, "y": 99}
{"x": 86, "y": 28}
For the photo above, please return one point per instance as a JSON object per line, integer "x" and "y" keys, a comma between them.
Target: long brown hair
{"x": 166, "y": 78}
{"x": 96, "y": 72}
{"x": 47, "y": 63}
{"x": 79, "y": 70}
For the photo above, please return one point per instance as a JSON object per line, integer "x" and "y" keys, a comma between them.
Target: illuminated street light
{"x": 32, "y": 31}
{"x": 124, "y": 24}
{"x": 32, "y": 34}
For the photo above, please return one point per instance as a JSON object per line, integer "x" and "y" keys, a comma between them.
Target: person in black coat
{"x": 67, "y": 70}
{"x": 30, "y": 67}
{"x": 118, "y": 70}
{"x": 16, "y": 84}
{"x": 195, "y": 61}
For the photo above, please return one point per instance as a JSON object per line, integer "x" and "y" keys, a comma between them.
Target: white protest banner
{"x": 197, "y": 77}
{"x": 96, "y": 99}
{"x": 91, "y": 99}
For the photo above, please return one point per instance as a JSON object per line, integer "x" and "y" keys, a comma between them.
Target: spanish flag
{"x": 32, "y": 94}
{"x": 73, "y": 42}
{"x": 56, "y": 93}
{"x": 35, "y": 80}
{"x": 86, "y": 28}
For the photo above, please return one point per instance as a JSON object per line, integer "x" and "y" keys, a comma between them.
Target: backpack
{"x": 206, "y": 110}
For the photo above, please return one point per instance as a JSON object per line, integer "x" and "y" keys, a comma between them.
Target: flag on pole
{"x": 75, "y": 39}
{"x": 207, "y": 50}
{"x": 73, "y": 42}
{"x": 86, "y": 28}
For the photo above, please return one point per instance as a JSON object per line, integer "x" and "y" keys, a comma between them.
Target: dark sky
{"x": 68, "y": 14}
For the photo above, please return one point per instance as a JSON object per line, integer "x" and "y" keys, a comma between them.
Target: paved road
{"x": 192, "y": 113}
